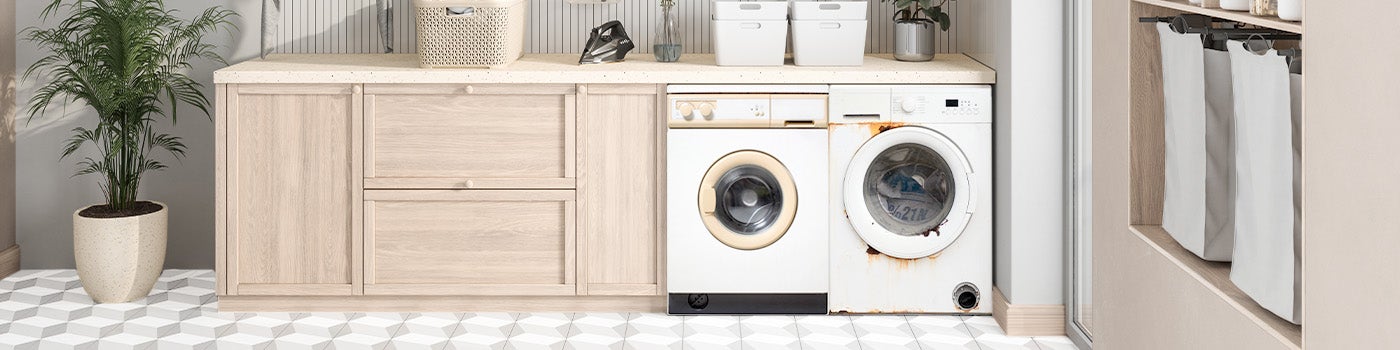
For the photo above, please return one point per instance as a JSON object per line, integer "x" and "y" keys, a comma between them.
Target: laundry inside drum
{"x": 909, "y": 190}
{"x": 749, "y": 199}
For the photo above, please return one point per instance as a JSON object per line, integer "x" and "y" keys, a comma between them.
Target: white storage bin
{"x": 750, "y": 10}
{"x": 750, "y": 42}
{"x": 750, "y": 33}
{"x": 470, "y": 33}
{"x": 828, "y": 43}
{"x": 828, "y": 33}
{"x": 839, "y": 10}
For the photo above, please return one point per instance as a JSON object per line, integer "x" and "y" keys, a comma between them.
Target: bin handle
{"x": 461, "y": 11}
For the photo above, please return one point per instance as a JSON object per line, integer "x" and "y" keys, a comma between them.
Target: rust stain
{"x": 879, "y": 127}
{"x": 871, "y": 250}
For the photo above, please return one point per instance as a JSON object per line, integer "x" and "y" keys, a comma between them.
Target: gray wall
{"x": 48, "y": 194}
{"x": 1023, "y": 40}
{"x": 7, "y": 130}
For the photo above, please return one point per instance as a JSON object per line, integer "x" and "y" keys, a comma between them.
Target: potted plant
{"x": 127, "y": 60}
{"x": 913, "y": 35}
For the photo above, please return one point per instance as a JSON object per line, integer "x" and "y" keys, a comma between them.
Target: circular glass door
{"x": 747, "y": 200}
{"x": 906, "y": 192}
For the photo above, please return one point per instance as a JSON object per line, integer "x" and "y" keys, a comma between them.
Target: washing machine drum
{"x": 907, "y": 192}
{"x": 747, "y": 200}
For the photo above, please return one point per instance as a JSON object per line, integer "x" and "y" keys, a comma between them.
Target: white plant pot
{"x": 119, "y": 259}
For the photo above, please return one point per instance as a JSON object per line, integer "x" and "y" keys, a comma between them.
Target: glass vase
{"x": 667, "y": 43}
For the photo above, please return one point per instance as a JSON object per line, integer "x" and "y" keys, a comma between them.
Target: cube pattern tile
{"x": 48, "y": 309}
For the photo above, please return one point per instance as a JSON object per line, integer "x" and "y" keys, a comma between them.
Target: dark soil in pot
{"x": 107, "y": 212}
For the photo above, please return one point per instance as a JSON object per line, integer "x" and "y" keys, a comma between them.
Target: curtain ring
{"x": 1258, "y": 38}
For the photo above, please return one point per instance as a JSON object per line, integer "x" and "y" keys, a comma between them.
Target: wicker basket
{"x": 470, "y": 33}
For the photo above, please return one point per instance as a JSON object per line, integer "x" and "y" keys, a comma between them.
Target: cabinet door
{"x": 620, "y": 190}
{"x": 469, "y": 242}
{"x": 444, "y": 136}
{"x": 292, "y": 191}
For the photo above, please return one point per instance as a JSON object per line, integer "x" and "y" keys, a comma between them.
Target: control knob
{"x": 908, "y": 105}
{"x": 686, "y": 109}
{"x": 707, "y": 111}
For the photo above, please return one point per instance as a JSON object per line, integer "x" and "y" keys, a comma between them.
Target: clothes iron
{"x": 606, "y": 44}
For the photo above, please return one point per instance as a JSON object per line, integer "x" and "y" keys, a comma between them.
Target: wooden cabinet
{"x": 469, "y": 136}
{"x": 289, "y": 190}
{"x": 620, "y": 186}
{"x": 399, "y": 193}
{"x": 464, "y": 242}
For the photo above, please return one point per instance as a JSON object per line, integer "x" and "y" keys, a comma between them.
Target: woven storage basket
{"x": 489, "y": 33}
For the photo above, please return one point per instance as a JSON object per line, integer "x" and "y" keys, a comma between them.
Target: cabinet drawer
{"x": 455, "y": 242}
{"x": 468, "y": 137}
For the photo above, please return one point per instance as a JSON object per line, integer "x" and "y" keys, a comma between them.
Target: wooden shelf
{"x": 1237, "y": 16}
{"x": 1216, "y": 277}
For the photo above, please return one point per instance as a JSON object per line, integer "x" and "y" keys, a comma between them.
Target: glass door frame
{"x": 1078, "y": 175}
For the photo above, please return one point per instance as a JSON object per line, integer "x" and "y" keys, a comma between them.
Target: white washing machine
{"x": 911, "y": 199}
{"x": 746, "y": 197}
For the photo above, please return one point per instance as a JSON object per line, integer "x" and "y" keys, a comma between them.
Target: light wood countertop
{"x": 563, "y": 68}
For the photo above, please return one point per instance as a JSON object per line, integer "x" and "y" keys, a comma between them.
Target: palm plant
{"x": 127, "y": 59}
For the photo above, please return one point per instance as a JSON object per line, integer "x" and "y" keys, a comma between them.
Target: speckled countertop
{"x": 562, "y": 68}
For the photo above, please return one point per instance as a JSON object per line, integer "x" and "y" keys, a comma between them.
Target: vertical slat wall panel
{"x": 555, "y": 26}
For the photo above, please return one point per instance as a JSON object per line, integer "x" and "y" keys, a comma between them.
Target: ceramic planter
{"x": 913, "y": 40}
{"x": 119, "y": 259}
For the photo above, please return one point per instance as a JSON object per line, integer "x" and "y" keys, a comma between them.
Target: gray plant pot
{"x": 913, "y": 40}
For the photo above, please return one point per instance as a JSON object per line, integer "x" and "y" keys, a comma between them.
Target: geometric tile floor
{"x": 48, "y": 309}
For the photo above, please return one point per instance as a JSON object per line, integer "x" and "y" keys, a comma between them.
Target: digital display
{"x": 950, "y": 103}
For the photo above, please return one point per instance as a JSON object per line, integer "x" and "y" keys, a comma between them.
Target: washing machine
{"x": 911, "y": 199}
{"x": 746, "y": 200}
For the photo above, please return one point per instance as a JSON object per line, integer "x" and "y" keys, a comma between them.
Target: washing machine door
{"x": 907, "y": 192}
{"x": 747, "y": 200}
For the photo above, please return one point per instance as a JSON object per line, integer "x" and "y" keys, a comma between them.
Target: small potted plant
{"x": 913, "y": 34}
{"x": 127, "y": 60}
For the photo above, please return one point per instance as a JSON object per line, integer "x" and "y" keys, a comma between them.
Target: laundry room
{"x": 698, "y": 174}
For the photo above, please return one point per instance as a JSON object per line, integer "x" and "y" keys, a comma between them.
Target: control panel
{"x": 747, "y": 110}
{"x": 911, "y": 104}
{"x": 939, "y": 107}
{"x": 719, "y": 108}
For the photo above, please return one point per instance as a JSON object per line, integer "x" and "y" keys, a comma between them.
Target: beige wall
{"x": 7, "y": 128}
{"x": 1351, "y": 292}
{"x": 1109, "y": 165}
